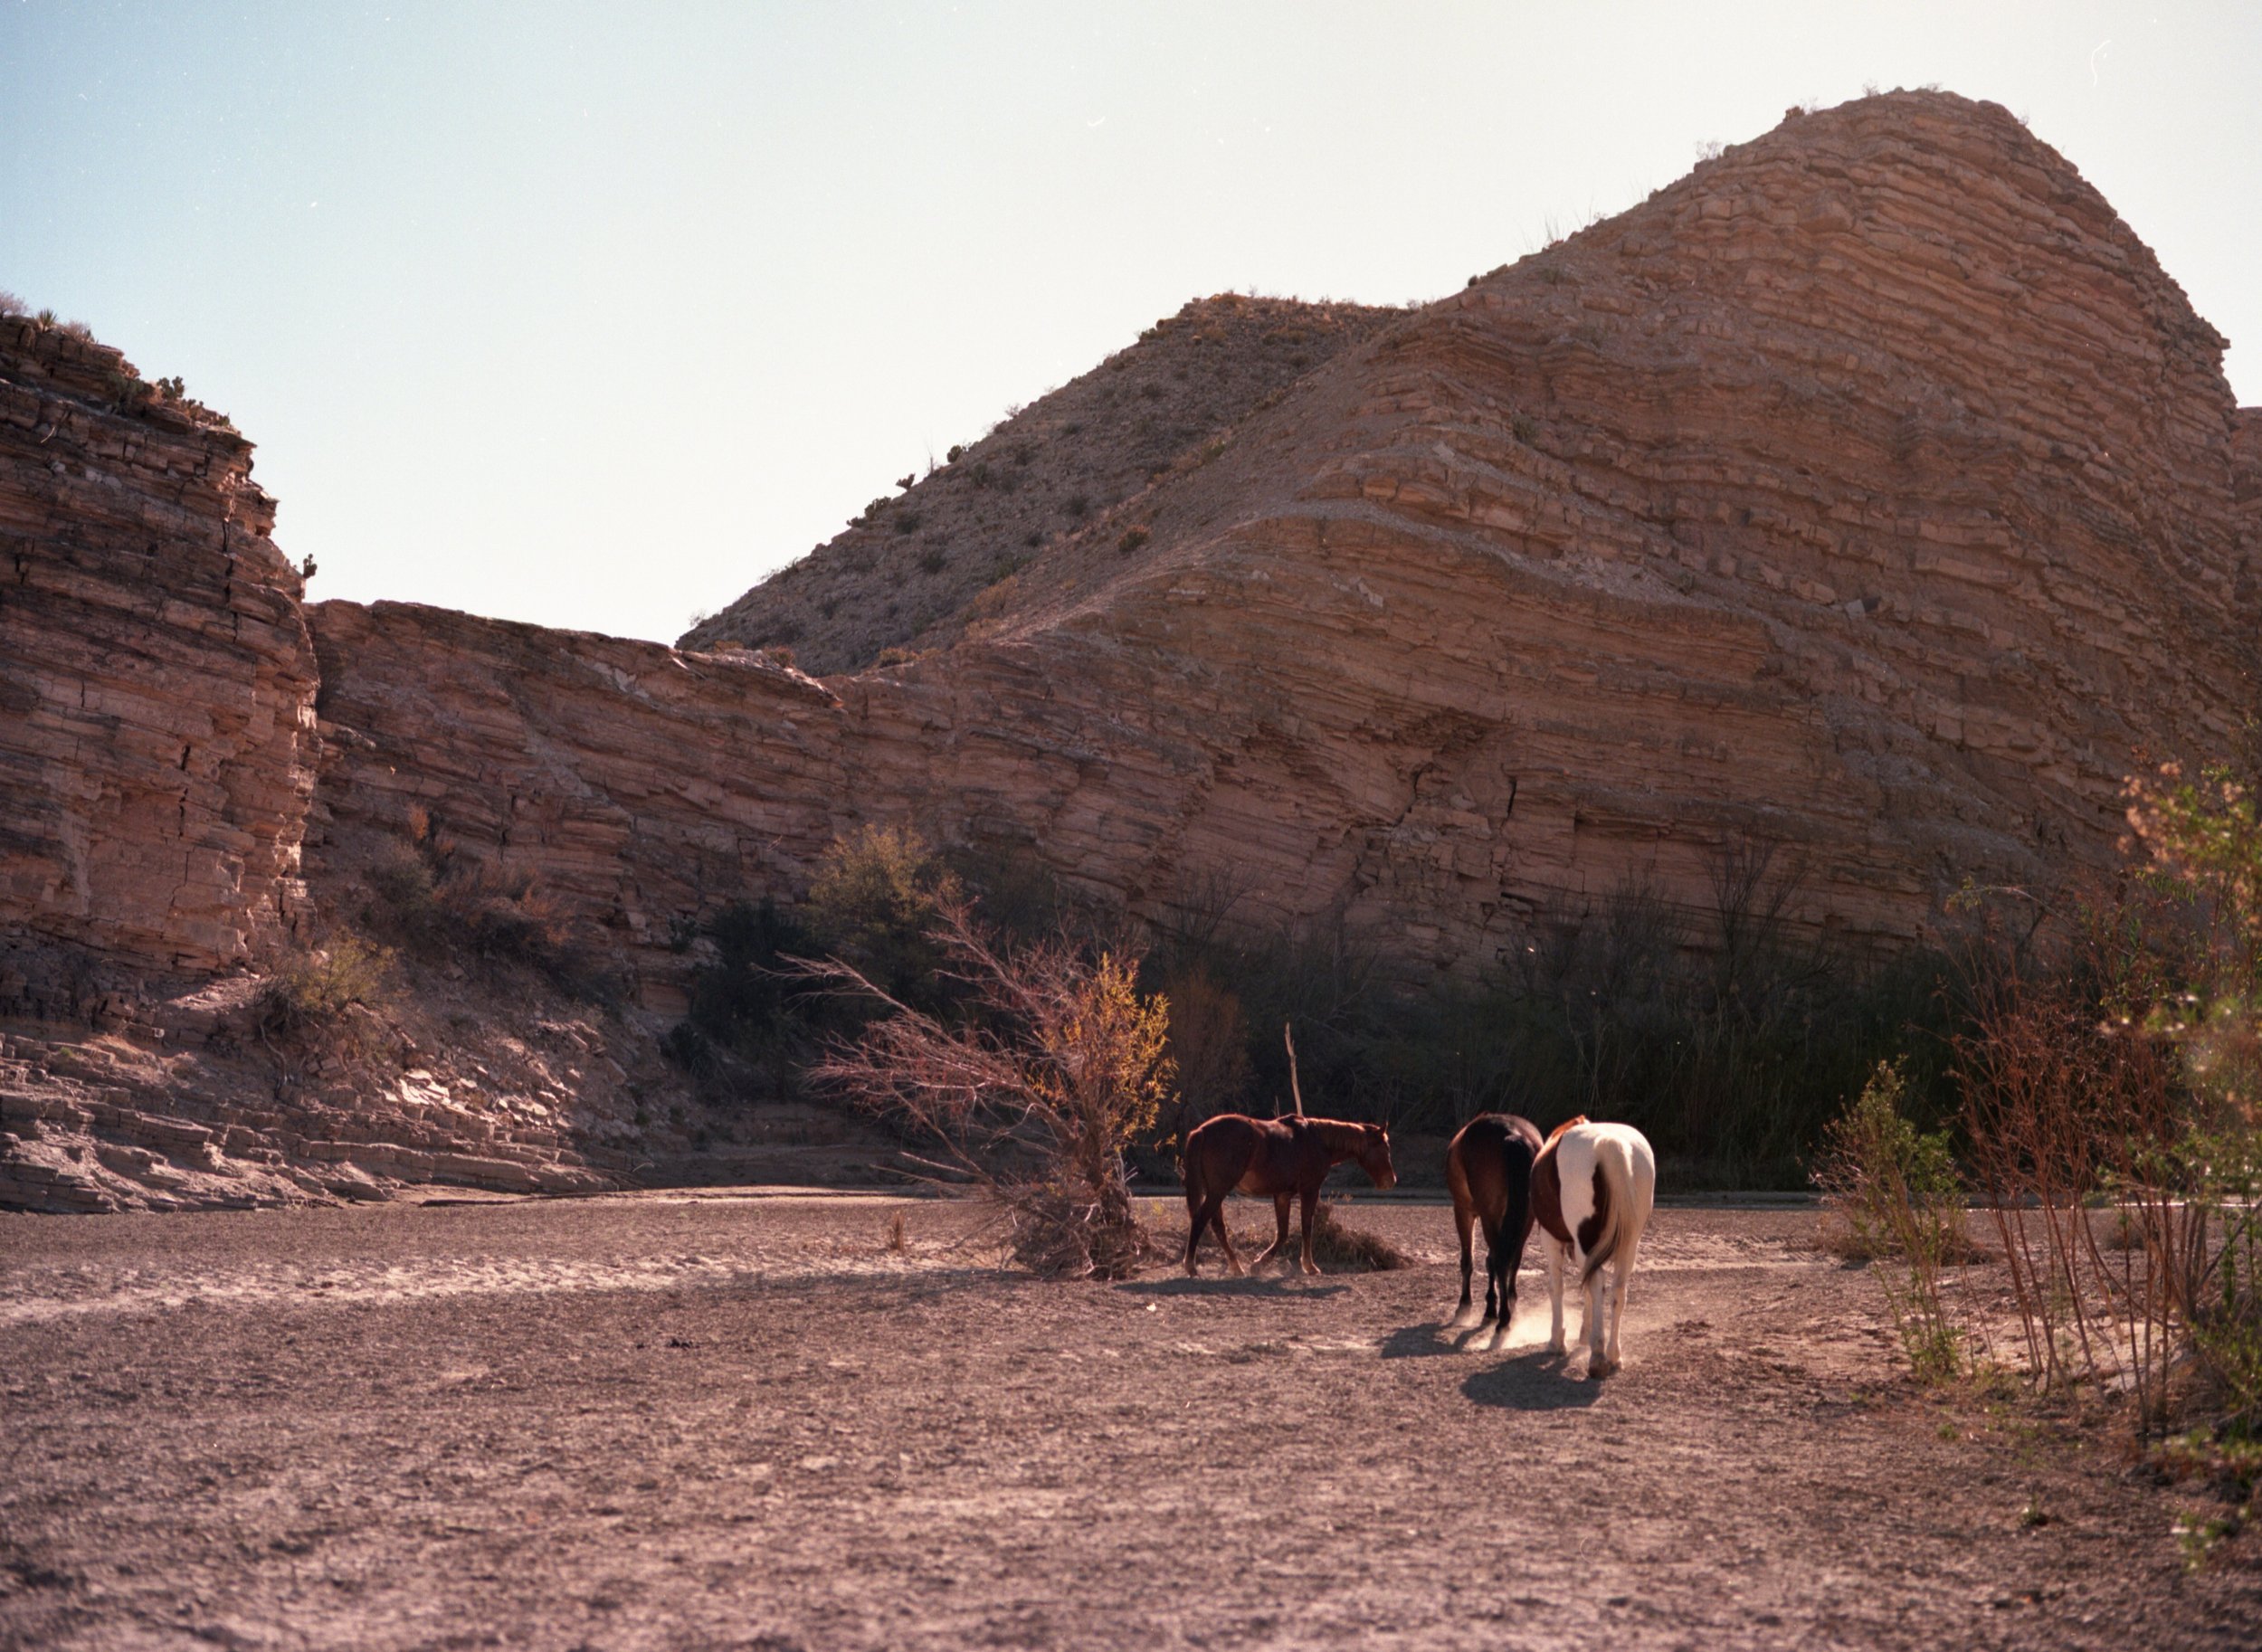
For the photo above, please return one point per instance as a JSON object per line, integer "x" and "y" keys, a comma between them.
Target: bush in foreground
{"x": 1030, "y": 1097}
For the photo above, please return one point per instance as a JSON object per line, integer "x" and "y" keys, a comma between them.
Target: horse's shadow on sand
{"x": 1534, "y": 1379}
{"x": 1227, "y": 1285}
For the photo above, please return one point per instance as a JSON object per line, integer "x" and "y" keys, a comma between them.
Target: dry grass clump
{"x": 1336, "y": 1248}
{"x": 1352, "y": 1250}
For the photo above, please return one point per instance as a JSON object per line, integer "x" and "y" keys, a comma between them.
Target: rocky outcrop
{"x": 911, "y": 561}
{"x": 156, "y": 680}
{"x": 1865, "y": 501}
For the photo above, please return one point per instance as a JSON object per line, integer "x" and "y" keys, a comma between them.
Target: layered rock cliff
{"x": 155, "y": 676}
{"x": 1866, "y": 499}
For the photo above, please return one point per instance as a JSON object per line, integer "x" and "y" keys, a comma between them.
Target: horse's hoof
{"x": 1597, "y": 1369}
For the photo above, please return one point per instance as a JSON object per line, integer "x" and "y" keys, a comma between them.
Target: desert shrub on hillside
{"x": 874, "y": 904}
{"x": 1031, "y": 1100}
{"x": 310, "y": 987}
{"x": 442, "y": 904}
{"x": 752, "y": 1022}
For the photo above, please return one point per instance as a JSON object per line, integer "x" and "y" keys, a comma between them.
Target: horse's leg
{"x": 1280, "y": 1230}
{"x": 1499, "y": 1282}
{"x": 1597, "y": 1363}
{"x": 1217, "y": 1221}
{"x": 1465, "y": 1220}
{"x": 1194, "y": 1217}
{"x": 1310, "y": 1196}
{"x": 1622, "y": 1268}
{"x": 1557, "y": 1261}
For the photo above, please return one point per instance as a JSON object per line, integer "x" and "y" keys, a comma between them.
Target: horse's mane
{"x": 1567, "y": 1124}
{"x": 1336, "y": 1132}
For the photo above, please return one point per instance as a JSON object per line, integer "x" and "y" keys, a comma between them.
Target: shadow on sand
{"x": 1534, "y": 1381}
{"x": 1417, "y": 1341}
{"x": 1225, "y": 1285}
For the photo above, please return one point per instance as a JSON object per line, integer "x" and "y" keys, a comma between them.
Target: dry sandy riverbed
{"x": 658, "y": 1421}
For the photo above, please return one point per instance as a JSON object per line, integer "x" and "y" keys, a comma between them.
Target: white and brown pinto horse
{"x": 1593, "y": 1187}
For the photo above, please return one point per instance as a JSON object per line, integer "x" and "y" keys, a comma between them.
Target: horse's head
{"x": 1374, "y": 1155}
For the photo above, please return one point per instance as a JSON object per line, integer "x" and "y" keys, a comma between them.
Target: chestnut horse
{"x": 1285, "y": 1157}
{"x": 1592, "y": 1188}
{"x": 1489, "y": 1168}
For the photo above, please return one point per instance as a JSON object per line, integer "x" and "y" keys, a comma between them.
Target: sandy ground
{"x": 698, "y": 1421}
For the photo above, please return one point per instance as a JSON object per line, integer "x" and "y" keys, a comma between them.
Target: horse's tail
{"x": 1518, "y": 1220}
{"x": 1615, "y": 1172}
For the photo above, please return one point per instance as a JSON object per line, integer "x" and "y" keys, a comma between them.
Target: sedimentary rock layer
{"x": 156, "y": 680}
{"x": 1866, "y": 501}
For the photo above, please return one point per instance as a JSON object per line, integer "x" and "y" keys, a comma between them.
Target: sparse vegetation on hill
{"x": 427, "y": 896}
{"x": 1045, "y": 470}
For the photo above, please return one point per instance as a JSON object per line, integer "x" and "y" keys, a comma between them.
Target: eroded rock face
{"x": 156, "y": 680}
{"x": 1868, "y": 500}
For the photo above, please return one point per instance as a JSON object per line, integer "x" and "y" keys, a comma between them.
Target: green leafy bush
{"x": 873, "y": 905}
{"x": 1898, "y": 1191}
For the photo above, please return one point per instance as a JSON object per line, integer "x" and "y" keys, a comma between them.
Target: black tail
{"x": 1515, "y": 1222}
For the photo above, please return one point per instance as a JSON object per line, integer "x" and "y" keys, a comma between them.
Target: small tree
{"x": 1897, "y": 1189}
{"x": 874, "y": 905}
{"x": 1032, "y": 1097}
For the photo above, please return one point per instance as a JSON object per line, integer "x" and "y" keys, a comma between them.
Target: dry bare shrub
{"x": 2128, "y": 1075}
{"x": 311, "y": 988}
{"x": 1030, "y": 1100}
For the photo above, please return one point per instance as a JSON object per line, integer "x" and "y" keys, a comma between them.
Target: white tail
{"x": 1610, "y": 1160}
{"x": 1632, "y": 1188}
{"x": 1288, "y": 1031}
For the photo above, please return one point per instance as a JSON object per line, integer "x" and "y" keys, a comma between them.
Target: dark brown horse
{"x": 1287, "y": 1158}
{"x": 1489, "y": 1168}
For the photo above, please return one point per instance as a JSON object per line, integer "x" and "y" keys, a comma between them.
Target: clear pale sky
{"x": 593, "y": 315}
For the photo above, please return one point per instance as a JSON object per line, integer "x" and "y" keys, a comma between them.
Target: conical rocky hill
{"x": 1869, "y": 493}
